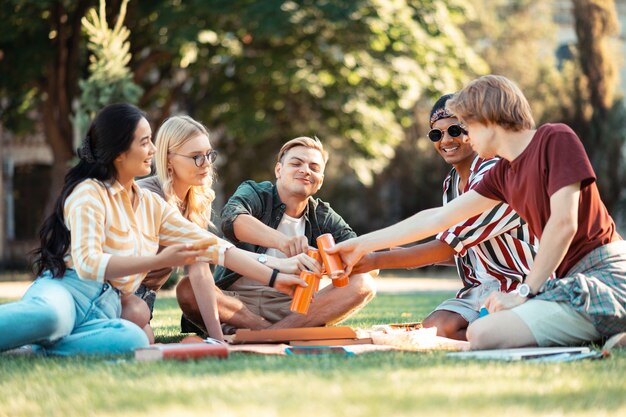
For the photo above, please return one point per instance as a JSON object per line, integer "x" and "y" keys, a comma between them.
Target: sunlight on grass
{"x": 375, "y": 384}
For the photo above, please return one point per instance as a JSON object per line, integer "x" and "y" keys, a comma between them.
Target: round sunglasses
{"x": 454, "y": 131}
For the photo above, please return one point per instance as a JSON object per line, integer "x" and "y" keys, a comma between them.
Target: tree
{"x": 598, "y": 117}
{"x": 517, "y": 39}
{"x": 259, "y": 73}
{"x": 41, "y": 60}
{"x": 110, "y": 79}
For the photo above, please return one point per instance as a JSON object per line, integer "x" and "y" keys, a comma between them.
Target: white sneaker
{"x": 212, "y": 341}
{"x": 26, "y": 350}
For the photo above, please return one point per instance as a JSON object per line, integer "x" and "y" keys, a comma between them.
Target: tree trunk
{"x": 59, "y": 89}
{"x": 2, "y": 198}
{"x": 57, "y": 136}
{"x": 600, "y": 130}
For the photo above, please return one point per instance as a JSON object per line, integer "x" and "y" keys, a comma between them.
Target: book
{"x": 344, "y": 350}
{"x": 180, "y": 351}
{"x": 317, "y": 350}
{"x": 332, "y": 342}
{"x": 286, "y": 335}
{"x": 519, "y": 354}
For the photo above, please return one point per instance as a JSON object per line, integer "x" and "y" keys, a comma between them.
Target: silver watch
{"x": 262, "y": 258}
{"x": 525, "y": 291}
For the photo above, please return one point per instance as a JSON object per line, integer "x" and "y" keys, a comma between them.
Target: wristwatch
{"x": 525, "y": 291}
{"x": 262, "y": 258}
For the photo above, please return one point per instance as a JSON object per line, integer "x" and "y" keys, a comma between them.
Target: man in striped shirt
{"x": 492, "y": 251}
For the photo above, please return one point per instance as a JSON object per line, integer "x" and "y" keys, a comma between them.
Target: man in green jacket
{"x": 282, "y": 220}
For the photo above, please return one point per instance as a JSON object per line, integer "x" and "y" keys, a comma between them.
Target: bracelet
{"x": 221, "y": 250}
{"x": 273, "y": 278}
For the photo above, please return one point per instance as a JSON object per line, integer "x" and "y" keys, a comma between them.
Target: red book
{"x": 180, "y": 351}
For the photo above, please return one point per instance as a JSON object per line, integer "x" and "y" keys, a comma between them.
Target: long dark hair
{"x": 110, "y": 134}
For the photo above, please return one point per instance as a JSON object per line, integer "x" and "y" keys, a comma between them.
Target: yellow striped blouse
{"x": 103, "y": 223}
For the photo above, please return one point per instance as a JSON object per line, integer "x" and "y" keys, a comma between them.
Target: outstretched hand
{"x": 287, "y": 283}
{"x": 178, "y": 255}
{"x": 351, "y": 251}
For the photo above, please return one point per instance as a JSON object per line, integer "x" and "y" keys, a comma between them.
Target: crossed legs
{"x": 331, "y": 305}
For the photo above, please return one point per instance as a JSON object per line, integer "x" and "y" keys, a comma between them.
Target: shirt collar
{"x": 115, "y": 188}
{"x": 476, "y": 163}
{"x": 277, "y": 202}
{"x": 473, "y": 168}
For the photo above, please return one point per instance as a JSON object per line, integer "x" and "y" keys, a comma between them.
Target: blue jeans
{"x": 69, "y": 316}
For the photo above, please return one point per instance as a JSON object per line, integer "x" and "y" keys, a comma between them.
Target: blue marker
{"x": 483, "y": 311}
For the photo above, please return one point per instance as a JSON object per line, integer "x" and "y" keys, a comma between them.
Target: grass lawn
{"x": 374, "y": 384}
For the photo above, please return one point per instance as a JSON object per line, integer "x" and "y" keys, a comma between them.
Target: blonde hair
{"x": 305, "y": 141}
{"x": 493, "y": 99}
{"x": 174, "y": 133}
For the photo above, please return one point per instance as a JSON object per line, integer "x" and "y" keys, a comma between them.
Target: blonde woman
{"x": 184, "y": 176}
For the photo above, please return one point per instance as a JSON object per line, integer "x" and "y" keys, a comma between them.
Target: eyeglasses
{"x": 211, "y": 156}
{"x": 453, "y": 130}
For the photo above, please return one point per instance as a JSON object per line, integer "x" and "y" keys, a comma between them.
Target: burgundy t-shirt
{"x": 553, "y": 159}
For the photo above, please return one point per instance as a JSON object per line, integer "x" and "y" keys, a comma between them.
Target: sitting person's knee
{"x": 444, "y": 327}
{"x": 448, "y": 323}
{"x": 478, "y": 336}
{"x": 130, "y": 337}
{"x": 135, "y": 310}
{"x": 364, "y": 286}
{"x": 185, "y": 296}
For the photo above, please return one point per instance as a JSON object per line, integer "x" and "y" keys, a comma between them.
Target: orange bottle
{"x": 315, "y": 254}
{"x": 332, "y": 263}
{"x": 302, "y": 296}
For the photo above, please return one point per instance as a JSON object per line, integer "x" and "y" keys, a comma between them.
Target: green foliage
{"x": 25, "y": 38}
{"x": 110, "y": 79}
{"x": 260, "y": 72}
{"x": 349, "y": 72}
{"x": 518, "y": 39}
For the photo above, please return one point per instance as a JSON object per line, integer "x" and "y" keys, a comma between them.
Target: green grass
{"x": 374, "y": 384}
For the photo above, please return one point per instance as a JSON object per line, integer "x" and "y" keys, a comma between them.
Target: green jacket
{"x": 261, "y": 200}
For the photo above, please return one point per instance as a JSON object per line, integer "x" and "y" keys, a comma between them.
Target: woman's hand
{"x": 351, "y": 251}
{"x": 499, "y": 301}
{"x": 178, "y": 255}
{"x": 295, "y": 264}
{"x": 287, "y": 283}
